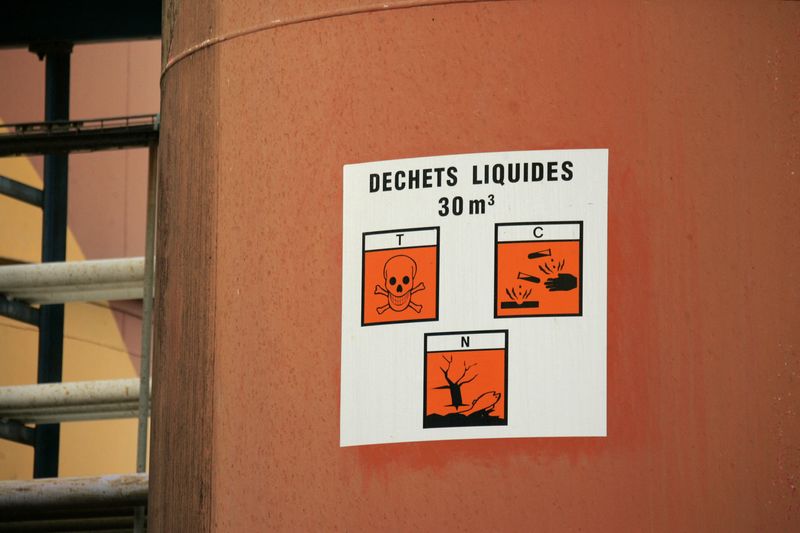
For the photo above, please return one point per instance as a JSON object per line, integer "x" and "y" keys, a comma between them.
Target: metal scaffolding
{"x": 35, "y": 294}
{"x": 31, "y": 414}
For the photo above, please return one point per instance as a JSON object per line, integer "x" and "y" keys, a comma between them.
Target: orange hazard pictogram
{"x": 538, "y": 269}
{"x": 465, "y": 379}
{"x": 400, "y": 276}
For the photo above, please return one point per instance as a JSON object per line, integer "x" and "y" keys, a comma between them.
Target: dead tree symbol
{"x": 455, "y": 386}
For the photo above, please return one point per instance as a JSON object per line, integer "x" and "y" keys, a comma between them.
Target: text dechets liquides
{"x": 498, "y": 174}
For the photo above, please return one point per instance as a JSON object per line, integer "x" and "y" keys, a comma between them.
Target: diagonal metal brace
{"x": 19, "y": 311}
{"x": 17, "y": 432}
{"x": 20, "y": 191}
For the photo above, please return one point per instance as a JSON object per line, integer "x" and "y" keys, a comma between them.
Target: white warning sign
{"x": 474, "y": 297}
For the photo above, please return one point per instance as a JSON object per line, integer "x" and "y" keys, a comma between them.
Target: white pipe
{"x": 57, "y": 410}
{"x": 47, "y": 289}
{"x": 79, "y": 294}
{"x": 113, "y": 405}
{"x": 68, "y": 393}
{"x": 95, "y": 280}
{"x": 101, "y": 271}
{"x": 53, "y": 418}
{"x": 66, "y": 402}
{"x": 17, "y": 497}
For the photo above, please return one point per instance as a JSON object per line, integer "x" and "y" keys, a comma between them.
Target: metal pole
{"x": 147, "y": 325}
{"x": 54, "y": 248}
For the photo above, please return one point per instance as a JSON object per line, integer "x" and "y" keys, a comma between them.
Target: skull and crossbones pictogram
{"x": 398, "y": 284}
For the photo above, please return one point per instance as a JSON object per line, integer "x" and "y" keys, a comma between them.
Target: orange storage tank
{"x": 262, "y": 104}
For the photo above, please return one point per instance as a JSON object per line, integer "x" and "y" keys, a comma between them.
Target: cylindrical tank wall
{"x": 697, "y": 104}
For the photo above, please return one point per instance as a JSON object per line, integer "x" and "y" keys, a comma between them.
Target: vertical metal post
{"x": 54, "y": 248}
{"x": 147, "y": 324}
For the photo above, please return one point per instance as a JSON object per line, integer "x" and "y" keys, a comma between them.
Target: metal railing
{"x": 61, "y": 136}
{"x": 76, "y": 503}
{"x": 75, "y": 126}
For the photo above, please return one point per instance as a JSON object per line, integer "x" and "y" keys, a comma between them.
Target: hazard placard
{"x": 474, "y": 297}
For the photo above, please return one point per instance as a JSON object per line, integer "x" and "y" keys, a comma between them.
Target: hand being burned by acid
{"x": 564, "y": 282}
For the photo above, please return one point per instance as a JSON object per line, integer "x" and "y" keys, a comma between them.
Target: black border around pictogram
{"x": 425, "y": 370}
{"x": 580, "y": 253}
{"x": 363, "y": 274}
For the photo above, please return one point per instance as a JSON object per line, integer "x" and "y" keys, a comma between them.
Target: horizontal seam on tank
{"x": 336, "y": 13}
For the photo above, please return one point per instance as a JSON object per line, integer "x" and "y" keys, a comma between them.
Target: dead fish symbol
{"x": 485, "y": 402}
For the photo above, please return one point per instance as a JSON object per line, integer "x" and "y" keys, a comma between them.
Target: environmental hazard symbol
{"x": 466, "y": 379}
{"x": 538, "y": 269}
{"x": 400, "y": 274}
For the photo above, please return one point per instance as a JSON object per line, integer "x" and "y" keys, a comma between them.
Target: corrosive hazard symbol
{"x": 538, "y": 269}
{"x": 401, "y": 276}
{"x": 466, "y": 379}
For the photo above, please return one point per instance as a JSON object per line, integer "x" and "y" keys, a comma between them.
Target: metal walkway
{"x": 56, "y": 136}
